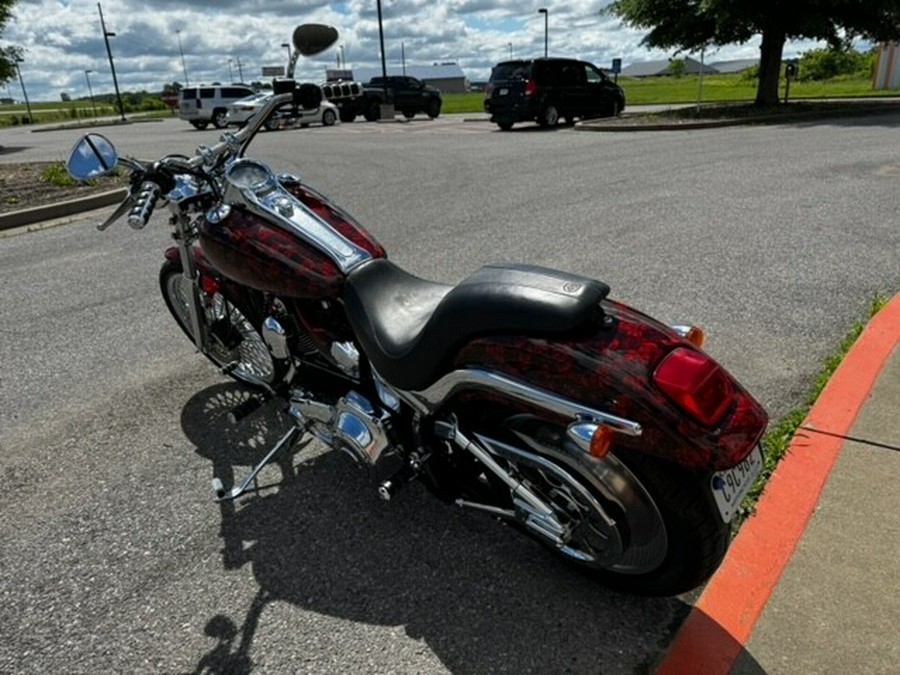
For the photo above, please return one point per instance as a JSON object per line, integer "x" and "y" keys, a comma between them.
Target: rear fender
{"x": 610, "y": 368}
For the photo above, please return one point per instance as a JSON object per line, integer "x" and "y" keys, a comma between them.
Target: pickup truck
{"x": 409, "y": 96}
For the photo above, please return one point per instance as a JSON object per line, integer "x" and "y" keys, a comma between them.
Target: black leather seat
{"x": 409, "y": 327}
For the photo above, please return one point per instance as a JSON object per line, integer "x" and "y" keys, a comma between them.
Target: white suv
{"x": 202, "y": 105}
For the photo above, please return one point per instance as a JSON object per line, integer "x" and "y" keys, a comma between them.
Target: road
{"x": 115, "y": 557}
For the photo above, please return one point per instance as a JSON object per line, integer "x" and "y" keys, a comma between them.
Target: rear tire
{"x": 220, "y": 118}
{"x": 347, "y": 116}
{"x": 635, "y": 522}
{"x": 373, "y": 111}
{"x": 328, "y": 118}
{"x": 505, "y": 125}
{"x": 233, "y": 337}
{"x": 200, "y": 125}
{"x": 549, "y": 116}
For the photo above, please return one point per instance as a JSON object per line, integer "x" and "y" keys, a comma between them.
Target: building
{"x": 736, "y": 66}
{"x": 660, "y": 68}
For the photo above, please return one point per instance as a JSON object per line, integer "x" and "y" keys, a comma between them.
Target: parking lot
{"x": 116, "y": 558}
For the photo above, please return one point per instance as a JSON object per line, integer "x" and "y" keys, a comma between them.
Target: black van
{"x": 546, "y": 90}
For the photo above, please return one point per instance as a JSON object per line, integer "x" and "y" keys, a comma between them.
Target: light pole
{"x": 383, "y": 60}
{"x": 343, "y": 60}
{"x": 90, "y": 91}
{"x": 287, "y": 45}
{"x": 112, "y": 66}
{"x": 510, "y": 51}
{"x": 183, "y": 65}
{"x": 19, "y": 60}
{"x": 230, "y": 72}
{"x": 240, "y": 69}
{"x": 543, "y": 10}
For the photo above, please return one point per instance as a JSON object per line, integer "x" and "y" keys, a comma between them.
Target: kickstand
{"x": 286, "y": 441}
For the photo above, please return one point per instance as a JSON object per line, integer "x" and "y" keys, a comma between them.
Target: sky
{"x": 222, "y": 41}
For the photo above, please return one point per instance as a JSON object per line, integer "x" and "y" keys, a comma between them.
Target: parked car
{"x": 205, "y": 104}
{"x": 241, "y": 111}
{"x": 547, "y": 90}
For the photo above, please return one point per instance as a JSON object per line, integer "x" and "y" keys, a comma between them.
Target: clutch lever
{"x": 123, "y": 208}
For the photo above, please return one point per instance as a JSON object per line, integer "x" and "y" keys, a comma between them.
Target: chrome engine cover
{"x": 352, "y": 425}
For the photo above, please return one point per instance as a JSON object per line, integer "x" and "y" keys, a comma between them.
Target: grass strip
{"x": 777, "y": 440}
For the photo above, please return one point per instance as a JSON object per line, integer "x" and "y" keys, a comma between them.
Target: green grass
{"x": 777, "y": 440}
{"x": 716, "y": 89}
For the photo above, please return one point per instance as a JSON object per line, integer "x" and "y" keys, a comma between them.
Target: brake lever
{"x": 123, "y": 208}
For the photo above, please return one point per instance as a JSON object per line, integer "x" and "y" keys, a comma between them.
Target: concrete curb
{"x": 616, "y": 125}
{"x": 37, "y": 214}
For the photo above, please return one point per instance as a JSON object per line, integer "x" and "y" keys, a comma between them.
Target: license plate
{"x": 503, "y": 92}
{"x": 731, "y": 486}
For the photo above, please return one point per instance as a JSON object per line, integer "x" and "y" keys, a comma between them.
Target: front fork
{"x": 184, "y": 238}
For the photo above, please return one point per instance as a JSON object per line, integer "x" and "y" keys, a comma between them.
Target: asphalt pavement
{"x": 806, "y": 586}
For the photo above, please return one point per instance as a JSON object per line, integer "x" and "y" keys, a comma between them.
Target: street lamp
{"x": 19, "y": 60}
{"x": 543, "y": 10}
{"x": 183, "y": 65}
{"x": 230, "y": 72}
{"x": 343, "y": 60}
{"x": 287, "y": 45}
{"x": 510, "y": 51}
{"x": 90, "y": 90}
{"x": 106, "y": 35}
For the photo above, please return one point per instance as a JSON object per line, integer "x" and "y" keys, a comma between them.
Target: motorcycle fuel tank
{"x": 262, "y": 253}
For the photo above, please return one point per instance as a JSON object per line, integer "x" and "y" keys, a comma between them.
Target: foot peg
{"x": 227, "y": 495}
{"x": 405, "y": 475}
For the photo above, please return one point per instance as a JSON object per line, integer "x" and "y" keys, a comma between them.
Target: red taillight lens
{"x": 530, "y": 88}
{"x": 696, "y": 383}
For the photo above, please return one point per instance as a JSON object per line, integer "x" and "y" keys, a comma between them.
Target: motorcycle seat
{"x": 410, "y": 328}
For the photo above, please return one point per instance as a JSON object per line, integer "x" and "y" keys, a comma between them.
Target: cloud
{"x": 62, "y": 38}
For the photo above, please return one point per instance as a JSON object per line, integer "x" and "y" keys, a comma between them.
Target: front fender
{"x": 610, "y": 368}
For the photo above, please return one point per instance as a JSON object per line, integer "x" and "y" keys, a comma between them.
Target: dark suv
{"x": 546, "y": 90}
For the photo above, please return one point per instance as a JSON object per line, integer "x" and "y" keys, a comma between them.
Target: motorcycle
{"x": 522, "y": 393}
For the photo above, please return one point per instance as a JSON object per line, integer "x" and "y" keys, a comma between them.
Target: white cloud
{"x": 62, "y": 38}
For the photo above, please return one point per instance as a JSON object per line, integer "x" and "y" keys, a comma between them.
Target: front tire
{"x": 328, "y": 118}
{"x": 373, "y": 111}
{"x": 234, "y": 339}
{"x": 434, "y": 108}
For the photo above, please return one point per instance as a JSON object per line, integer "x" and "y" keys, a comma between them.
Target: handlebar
{"x": 145, "y": 203}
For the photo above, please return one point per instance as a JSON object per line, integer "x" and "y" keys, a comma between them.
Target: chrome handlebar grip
{"x": 146, "y": 201}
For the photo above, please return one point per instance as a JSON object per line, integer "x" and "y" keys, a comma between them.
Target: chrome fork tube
{"x": 189, "y": 270}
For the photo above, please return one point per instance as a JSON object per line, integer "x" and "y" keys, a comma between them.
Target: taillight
{"x": 530, "y": 88}
{"x": 696, "y": 383}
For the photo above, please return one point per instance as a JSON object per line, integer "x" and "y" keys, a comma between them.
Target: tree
{"x": 8, "y": 55}
{"x": 691, "y": 25}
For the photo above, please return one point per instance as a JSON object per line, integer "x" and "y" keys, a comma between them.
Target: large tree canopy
{"x": 9, "y": 54}
{"x": 694, "y": 24}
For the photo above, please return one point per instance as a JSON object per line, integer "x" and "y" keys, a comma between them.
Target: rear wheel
{"x": 409, "y": 114}
{"x": 505, "y": 125}
{"x": 549, "y": 116}
{"x": 200, "y": 125}
{"x": 635, "y": 522}
{"x": 234, "y": 339}
{"x": 328, "y": 118}
{"x": 347, "y": 115}
{"x": 220, "y": 118}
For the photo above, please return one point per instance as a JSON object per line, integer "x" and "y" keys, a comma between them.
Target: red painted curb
{"x": 721, "y": 622}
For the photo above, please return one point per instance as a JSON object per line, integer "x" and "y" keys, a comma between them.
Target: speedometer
{"x": 248, "y": 174}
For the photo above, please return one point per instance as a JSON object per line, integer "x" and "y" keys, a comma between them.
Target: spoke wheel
{"x": 233, "y": 338}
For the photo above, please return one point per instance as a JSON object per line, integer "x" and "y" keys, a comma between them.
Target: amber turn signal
{"x": 601, "y": 441}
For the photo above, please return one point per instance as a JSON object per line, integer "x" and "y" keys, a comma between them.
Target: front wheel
{"x": 234, "y": 339}
{"x": 373, "y": 111}
{"x": 434, "y": 108}
{"x": 328, "y": 118}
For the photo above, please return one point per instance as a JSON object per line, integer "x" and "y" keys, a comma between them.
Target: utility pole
{"x": 112, "y": 66}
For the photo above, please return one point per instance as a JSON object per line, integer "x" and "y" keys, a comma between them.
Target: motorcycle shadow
{"x": 483, "y": 597}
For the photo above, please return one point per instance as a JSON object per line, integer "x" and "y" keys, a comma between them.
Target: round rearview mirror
{"x": 314, "y": 38}
{"x": 92, "y": 156}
